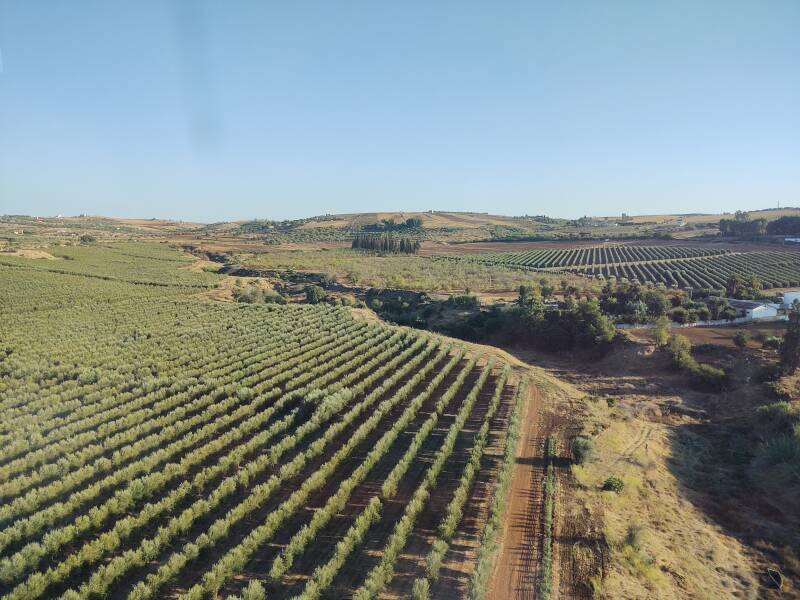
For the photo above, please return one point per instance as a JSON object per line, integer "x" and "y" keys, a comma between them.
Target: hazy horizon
{"x": 311, "y": 216}
{"x": 199, "y": 112}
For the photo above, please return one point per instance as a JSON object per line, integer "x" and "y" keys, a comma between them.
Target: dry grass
{"x": 35, "y": 254}
{"x": 663, "y": 546}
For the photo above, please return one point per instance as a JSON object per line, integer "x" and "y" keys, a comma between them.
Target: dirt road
{"x": 517, "y": 563}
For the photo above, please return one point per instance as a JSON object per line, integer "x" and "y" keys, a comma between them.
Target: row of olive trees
{"x": 389, "y": 488}
{"x": 324, "y": 575}
{"x": 103, "y": 431}
{"x": 236, "y": 559}
{"x": 246, "y": 472}
{"x": 94, "y": 421}
{"x": 546, "y": 572}
{"x": 455, "y": 508}
{"x": 400, "y": 366}
{"x": 213, "y": 405}
{"x": 338, "y": 500}
{"x": 382, "y": 573}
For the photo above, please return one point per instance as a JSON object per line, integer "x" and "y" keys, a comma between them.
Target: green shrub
{"x": 315, "y": 294}
{"x": 708, "y": 378}
{"x": 582, "y": 448}
{"x": 613, "y": 484}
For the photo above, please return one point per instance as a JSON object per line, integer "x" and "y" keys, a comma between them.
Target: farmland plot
{"x": 675, "y": 266}
{"x": 162, "y": 445}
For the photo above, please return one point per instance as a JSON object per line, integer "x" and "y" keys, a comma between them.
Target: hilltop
{"x": 433, "y": 226}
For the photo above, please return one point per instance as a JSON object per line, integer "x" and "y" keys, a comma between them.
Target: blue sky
{"x": 225, "y": 110}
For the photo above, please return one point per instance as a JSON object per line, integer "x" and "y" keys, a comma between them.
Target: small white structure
{"x": 789, "y": 298}
{"x": 753, "y": 309}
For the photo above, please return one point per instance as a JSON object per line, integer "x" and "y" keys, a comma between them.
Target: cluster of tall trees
{"x": 744, "y": 287}
{"x": 577, "y": 324}
{"x": 385, "y": 243}
{"x": 392, "y": 225}
{"x": 632, "y": 302}
{"x": 743, "y": 226}
{"x": 784, "y": 226}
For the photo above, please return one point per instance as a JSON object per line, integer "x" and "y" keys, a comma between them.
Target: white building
{"x": 753, "y": 309}
{"x": 789, "y": 298}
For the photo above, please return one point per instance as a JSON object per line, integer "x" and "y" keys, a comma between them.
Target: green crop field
{"x": 155, "y": 443}
{"x": 676, "y": 266}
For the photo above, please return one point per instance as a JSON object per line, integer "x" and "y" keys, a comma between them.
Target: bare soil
{"x": 517, "y": 564}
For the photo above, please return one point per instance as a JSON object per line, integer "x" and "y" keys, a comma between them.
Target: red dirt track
{"x": 517, "y": 563}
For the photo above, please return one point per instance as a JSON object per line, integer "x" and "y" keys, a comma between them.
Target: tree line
{"x": 743, "y": 226}
{"x": 385, "y": 243}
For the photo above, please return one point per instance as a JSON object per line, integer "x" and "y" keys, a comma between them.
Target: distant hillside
{"x": 442, "y": 226}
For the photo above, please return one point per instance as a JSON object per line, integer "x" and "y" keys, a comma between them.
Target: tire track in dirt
{"x": 517, "y": 564}
{"x": 641, "y": 439}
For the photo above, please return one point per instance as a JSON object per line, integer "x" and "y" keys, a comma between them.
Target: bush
{"x": 464, "y": 300}
{"x": 679, "y": 315}
{"x": 741, "y": 338}
{"x": 613, "y": 484}
{"x": 257, "y": 295}
{"x": 777, "y": 463}
{"x": 661, "y": 332}
{"x": 315, "y": 294}
{"x": 633, "y": 537}
{"x": 772, "y": 342}
{"x": 769, "y": 372}
{"x": 582, "y": 448}
{"x": 708, "y": 378}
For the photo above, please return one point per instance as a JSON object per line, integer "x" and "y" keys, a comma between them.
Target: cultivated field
{"x": 675, "y": 266}
{"x": 156, "y": 444}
